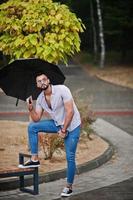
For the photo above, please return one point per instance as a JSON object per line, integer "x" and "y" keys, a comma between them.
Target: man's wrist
{"x": 63, "y": 130}
{"x": 30, "y": 109}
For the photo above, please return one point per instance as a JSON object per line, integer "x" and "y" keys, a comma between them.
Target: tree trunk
{"x": 94, "y": 30}
{"x": 101, "y": 35}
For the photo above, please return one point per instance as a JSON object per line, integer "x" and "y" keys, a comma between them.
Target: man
{"x": 65, "y": 120}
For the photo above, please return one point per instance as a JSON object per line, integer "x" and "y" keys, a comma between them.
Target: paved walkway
{"x": 112, "y": 103}
{"x": 113, "y": 180}
{"x": 89, "y": 184}
{"x": 108, "y": 100}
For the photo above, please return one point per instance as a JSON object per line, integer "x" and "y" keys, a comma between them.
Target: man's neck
{"x": 48, "y": 92}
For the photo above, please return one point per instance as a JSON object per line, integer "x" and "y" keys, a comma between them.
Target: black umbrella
{"x": 18, "y": 79}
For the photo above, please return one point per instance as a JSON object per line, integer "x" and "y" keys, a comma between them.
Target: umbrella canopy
{"x": 18, "y": 79}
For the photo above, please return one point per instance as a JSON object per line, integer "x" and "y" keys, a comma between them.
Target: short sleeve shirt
{"x": 60, "y": 95}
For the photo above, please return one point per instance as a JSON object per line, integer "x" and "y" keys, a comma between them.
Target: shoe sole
{"x": 66, "y": 195}
{"x": 31, "y": 166}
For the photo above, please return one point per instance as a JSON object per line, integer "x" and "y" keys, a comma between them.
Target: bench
{"x": 21, "y": 173}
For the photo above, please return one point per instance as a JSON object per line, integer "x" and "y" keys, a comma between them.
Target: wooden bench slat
{"x": 15, "y": 170}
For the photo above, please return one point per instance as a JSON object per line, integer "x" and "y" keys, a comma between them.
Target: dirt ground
{"x": 13, "y": 140}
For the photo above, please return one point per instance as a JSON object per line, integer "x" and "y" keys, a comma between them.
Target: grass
{"x": 111, "y": 58}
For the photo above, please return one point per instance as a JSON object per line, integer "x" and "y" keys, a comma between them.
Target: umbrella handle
{"x": 17, "y": 102}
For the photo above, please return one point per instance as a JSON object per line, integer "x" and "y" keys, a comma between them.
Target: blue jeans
{"x": 70, "y": 141}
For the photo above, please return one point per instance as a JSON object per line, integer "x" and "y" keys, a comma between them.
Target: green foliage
{"x": 111, "y": 58}
{"x": 117, "y": 23}
{"x": 39, "y": 28}
{"x": 84, "y": 57}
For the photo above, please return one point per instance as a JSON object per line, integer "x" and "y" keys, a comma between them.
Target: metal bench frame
{"x": 22, "y": 173}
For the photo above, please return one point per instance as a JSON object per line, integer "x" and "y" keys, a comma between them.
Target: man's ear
{"x": 48, "y": 80}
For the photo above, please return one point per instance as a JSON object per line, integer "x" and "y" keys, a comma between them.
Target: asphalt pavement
{"x": 110, "y": 102}
{"x": 113, "y": 106}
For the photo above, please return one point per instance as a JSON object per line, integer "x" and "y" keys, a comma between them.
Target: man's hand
{"x": 29, "y": 103}
{"x": 62, "y": 133}
{"x": 34, "y": 114}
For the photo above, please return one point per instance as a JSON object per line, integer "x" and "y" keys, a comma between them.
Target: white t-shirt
{"x": 60, "y": 95}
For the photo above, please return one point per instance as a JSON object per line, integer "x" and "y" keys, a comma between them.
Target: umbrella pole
{"x": 17, "y": 102}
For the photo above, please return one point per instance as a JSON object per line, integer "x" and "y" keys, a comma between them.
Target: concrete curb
{"x": 13, "y": 183}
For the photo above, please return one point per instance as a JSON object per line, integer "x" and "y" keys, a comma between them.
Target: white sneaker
{"x": 66, "y": 192}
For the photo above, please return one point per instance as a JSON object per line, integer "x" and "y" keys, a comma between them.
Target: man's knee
{"x": 31, "y": 127}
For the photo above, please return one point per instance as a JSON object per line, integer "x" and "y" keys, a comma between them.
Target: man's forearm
{"x": 34, "y": 116}
{"x": 68, "y": 120}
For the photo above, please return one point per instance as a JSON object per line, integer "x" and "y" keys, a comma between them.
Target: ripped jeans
{"x": 70, "y": 141}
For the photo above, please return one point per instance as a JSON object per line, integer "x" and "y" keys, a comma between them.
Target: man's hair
{"x": 40, "y": 73}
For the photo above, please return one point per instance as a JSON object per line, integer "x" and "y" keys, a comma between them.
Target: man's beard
{"x": 44, "y": 88}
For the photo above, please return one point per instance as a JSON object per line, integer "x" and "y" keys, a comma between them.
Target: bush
{"x": 87, "y": 115}
{"x": 39, "y": 28}
{"x": 50, "y": 143}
